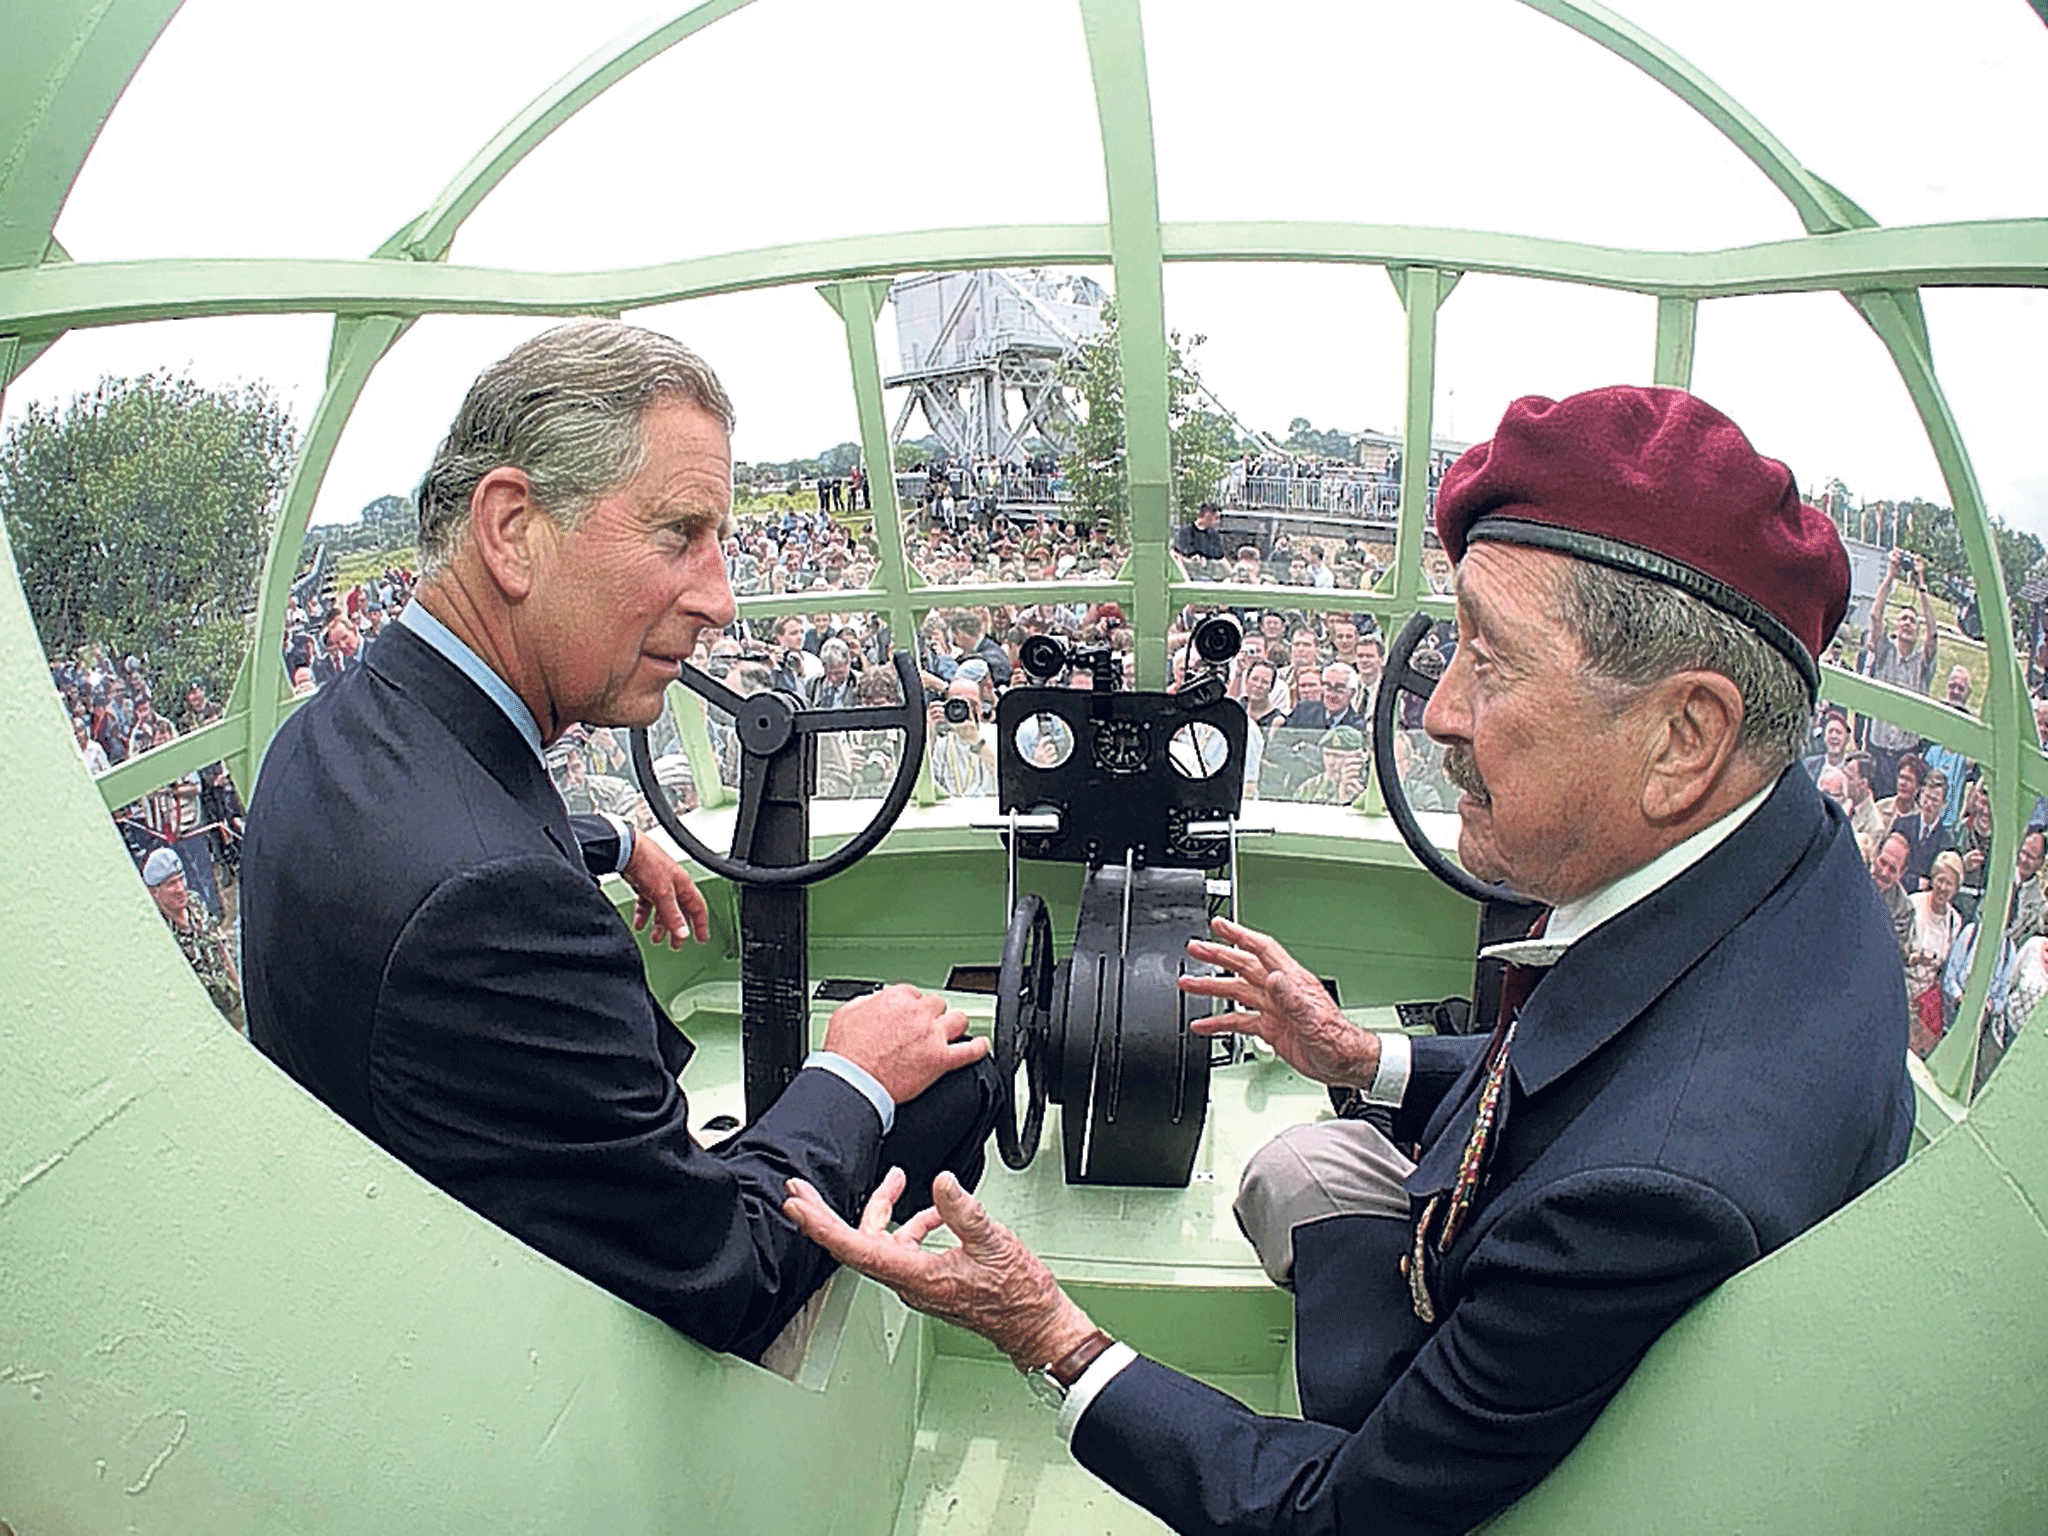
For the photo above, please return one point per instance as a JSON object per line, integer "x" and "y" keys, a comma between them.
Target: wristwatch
{"x": 1053, "y": 1382}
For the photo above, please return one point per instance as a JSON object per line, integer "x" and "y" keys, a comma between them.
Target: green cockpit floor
{"x": 989, "y": 1460}
{"x": 1164, "y": 1269}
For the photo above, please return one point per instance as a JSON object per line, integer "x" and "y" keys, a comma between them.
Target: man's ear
{"x": 508, "y": 525}
{"x": 1699, "y": 720}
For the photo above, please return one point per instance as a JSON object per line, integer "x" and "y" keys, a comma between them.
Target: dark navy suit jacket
{"x": 429, "y": 953}
{"x": 1693, "y": 1084}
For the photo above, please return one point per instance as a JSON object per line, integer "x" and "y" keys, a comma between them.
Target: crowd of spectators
{"x": 1324, "y": 560}
{"x": 1323, "y": 486}
{"x": 958, "y": 490}
{"x": 324, "y": 634}
{"x": 1924, "y": 821}
{"x": 1307, "y": 675}
{"x": 185, "y": 836}
{"x": 950, "y": 542}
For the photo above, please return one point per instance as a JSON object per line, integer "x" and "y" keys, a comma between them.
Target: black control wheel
{"x": 1023, "y": 1033}
{"x": 1403, "y": 676}
{"x": 768, "y": 725}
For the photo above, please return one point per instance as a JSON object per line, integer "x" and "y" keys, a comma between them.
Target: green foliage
{"x": 1332, "y": 444}
{"x": 140, "y": 514}
{"x": 1201, "y": 439}
{"x": 2018, "y": 553}
{"x": 1203, "y": 443}
{"x": 383, "y": 528}
{"x": 834, "y": 461}
{"x": 774, "y": 503}
{"x": 916, "y": 452}
{"x": 1931, "y": 533}
{"x": 390, "y": 521}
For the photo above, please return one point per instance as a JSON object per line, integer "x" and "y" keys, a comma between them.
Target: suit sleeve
{"x": 598, "y": 841}
{"x": 517, "y": 1061}
{"x": 1558, "y": 1301}
{"x": 1436, "y": 1062}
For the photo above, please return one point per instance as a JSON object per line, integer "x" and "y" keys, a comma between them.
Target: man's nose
{"x": 1443, "y": 717}
{"x": 716, "y": 604}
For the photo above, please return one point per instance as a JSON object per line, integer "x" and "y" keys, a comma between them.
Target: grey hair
{"x": 565, "y": 409}
{"x": 834, "y": 650}
{"x": 1635, "y": 631}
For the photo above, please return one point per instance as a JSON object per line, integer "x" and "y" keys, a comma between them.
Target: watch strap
{"x": 1068, "y": 1368}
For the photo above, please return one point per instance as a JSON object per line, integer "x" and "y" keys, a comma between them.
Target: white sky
{"x": 285, "y": 130}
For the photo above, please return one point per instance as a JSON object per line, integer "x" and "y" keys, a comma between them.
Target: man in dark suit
{"x": 343, "y": 644}
{"x": 473, "y": 1003}
{"x": 1329, "y": 703}
{"x": 1714, "y": 1058}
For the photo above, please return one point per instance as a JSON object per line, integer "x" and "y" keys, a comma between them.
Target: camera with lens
{"x": 1042, "y": 657}
{"x": 1218, "y": 638}
{"x": 958, "y": 711}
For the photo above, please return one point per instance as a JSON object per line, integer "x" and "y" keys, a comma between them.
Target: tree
{"x": 140, "y": 513}
{"x": 1303, "y": 437}
{"x": 917, "y": 452}
{"x": 1201, "y": 438}
{"x": 392, "y": 522}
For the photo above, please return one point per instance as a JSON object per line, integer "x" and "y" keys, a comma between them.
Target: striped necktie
{"x": 1516, "y": 986}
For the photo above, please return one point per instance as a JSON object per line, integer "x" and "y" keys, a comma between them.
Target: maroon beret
{"x": 1659, "y": 483}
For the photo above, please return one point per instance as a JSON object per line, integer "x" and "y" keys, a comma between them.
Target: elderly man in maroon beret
{"x": 1701, "y": 1055}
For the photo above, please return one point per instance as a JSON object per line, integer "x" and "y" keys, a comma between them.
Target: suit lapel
{"x": 406, "y": 662}
{"x": 1611, "y": 977}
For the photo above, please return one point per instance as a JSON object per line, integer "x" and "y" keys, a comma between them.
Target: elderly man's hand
{"x": 1281, "y": 1002}
{"x": 663, "y": 892}
{"x": 906, "y": 1039}
{"x": 991, "y": 1284}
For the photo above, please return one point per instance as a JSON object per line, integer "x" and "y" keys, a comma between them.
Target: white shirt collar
{"x": 1575, "y": 919}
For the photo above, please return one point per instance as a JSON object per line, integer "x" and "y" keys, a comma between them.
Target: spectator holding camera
{"x": 1904, "y": 658}
{"x": 963, "y": 754}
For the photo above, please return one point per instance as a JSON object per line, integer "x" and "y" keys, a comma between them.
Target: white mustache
{"x": 1462, "y": 770}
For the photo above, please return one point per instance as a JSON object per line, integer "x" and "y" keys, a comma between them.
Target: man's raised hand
{"x": 991, "y": 1284}
{"x": 1281, "y": 1002}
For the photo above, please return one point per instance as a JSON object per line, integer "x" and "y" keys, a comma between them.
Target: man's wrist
{"x": 1364, "y": 1067}
{"x": 1395, "y": 1055}
{"x": 1067, "y": 1369}
{"x": 1044, "y": 1347}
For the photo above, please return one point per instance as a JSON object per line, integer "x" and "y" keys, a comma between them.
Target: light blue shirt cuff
{"x": 859, "y": 1078}
{"x": 626, "y": 835}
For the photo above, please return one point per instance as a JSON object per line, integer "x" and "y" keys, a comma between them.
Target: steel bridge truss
{"x": 972, "y": 342}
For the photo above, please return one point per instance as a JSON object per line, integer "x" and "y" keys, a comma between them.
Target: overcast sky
{"x": 287, "y": 130}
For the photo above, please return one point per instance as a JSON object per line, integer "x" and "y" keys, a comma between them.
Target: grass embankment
{"x": 365, "y": 563}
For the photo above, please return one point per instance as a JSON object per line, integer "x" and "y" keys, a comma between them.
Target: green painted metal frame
{"x": 68, "y": 63}
{"x": 1123, "y": 108}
